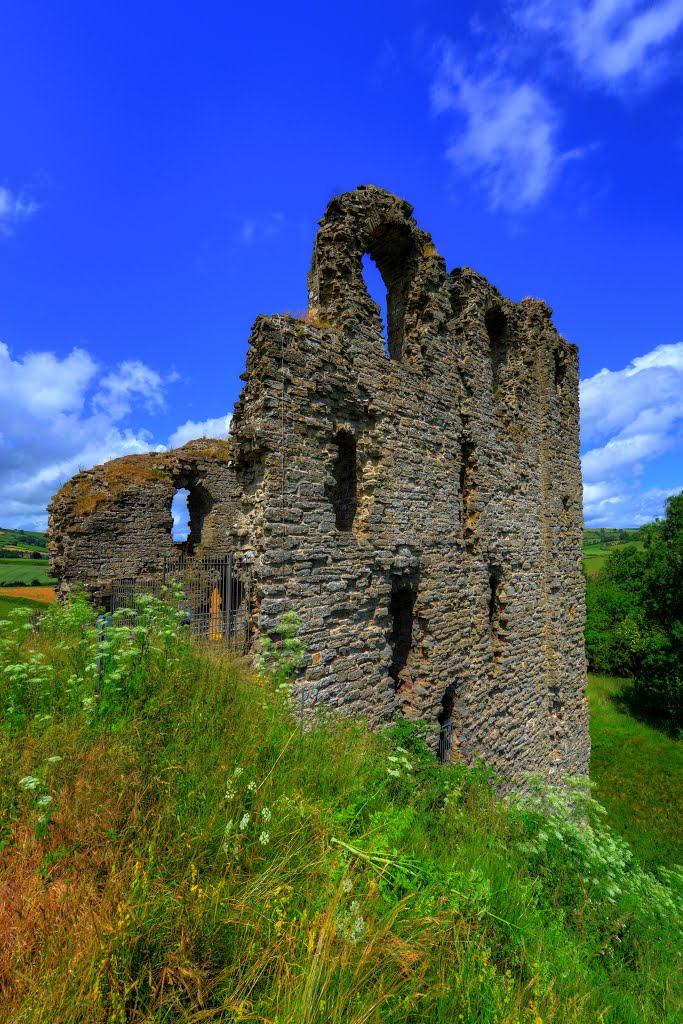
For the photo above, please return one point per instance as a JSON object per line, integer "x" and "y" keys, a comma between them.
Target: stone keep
{"x": 416, "y": 499}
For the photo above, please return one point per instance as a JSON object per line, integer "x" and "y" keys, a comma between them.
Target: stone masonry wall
{"x": 115, "y": 520}
{"x": 417, "y": 501}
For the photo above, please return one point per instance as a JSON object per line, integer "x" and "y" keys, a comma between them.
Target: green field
{"x": 27, "y": 540}
{"x": 639, "y": 776}
{"x": 24, "y": 571}
{"x": 595, "y": 555}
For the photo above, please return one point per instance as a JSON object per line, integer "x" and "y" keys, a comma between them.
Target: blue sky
{"x": 163, "y": 167}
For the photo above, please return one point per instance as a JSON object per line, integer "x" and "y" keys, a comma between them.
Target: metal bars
{"x": 215, "y": 596}
{"x": 445, "y": 746}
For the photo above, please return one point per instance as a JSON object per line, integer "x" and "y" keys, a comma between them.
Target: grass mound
{"x": 174, "y": 849}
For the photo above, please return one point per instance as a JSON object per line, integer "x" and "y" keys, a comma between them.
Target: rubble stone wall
{"x": 416, "y": 499}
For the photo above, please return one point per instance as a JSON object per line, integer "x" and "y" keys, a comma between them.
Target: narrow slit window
{"x": 344, "y": 493}
{"x": 401, "y": 609}
{"x": 497, "y": 329}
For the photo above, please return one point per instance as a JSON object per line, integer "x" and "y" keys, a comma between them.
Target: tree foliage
{"x": 635, "y": 616}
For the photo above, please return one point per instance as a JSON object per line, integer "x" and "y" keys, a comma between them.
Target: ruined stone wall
{"x": 450, "y": 584}
{"x": 115, "y": 520}
{"x": 417, "y": 500}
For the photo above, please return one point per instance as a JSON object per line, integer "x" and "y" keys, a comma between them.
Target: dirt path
{"x": 46, "y": 594}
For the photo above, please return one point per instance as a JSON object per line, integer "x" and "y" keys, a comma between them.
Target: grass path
{"x": 639, "y": 776}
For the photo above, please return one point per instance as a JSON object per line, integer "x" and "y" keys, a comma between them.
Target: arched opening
{"x": 392, "y": 250}
{"x": 189, "y": 508}
{"x": 181, "y": 516}
{"x": 377, "y": 290}
{"x": 344, "y": 494}
{"x": 496, "y": 326}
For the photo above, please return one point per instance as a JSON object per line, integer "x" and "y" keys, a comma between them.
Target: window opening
{"x": 181, "y": 516}
{"x": 344, "y": 494}
{"x": 401, "y": 609}
{"x": 189, "y": 508}
{"x": 392, "y": 251}
{"x": 495, "y": 322}
{"x": 447, "y": 728}
{"x": 560, "y": 372}
{"x": 377, "y": 290}
{"x": 497, "y": 620}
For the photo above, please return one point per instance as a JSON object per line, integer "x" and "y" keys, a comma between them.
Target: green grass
{"x": 639, "y": 775}
{"x": 18, "y": 571}
{"x": 203, "y": 860}
{"x": 595, "y": 555}
{"x": 8, "y": 604}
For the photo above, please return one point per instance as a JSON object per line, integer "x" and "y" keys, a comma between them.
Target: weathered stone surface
{"x": 418, "y": 503}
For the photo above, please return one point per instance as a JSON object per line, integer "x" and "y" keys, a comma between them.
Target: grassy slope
{"x": 7, "y": 604}
{"x": 23, "y": 570}
{"x": 161, "y": 890}
{"x": 639, "y": 776}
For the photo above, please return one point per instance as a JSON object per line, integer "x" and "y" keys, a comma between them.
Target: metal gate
{"x": 445, "y": 747}
{"x": 215, "y": 598}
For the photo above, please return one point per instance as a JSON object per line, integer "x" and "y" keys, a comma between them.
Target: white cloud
{"x": 190, "y": 431}
{"x": 58, "y": 415}
{"x": 131, "y": 380}
{"x": 631, "y": 417}
{"x": 608, "y": 40}
{"x": 253, "y": 231}
{"x": 14, "y": 208}
{"x": 509, "y": 142}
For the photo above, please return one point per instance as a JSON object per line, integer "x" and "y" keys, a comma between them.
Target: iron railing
{"x": 215, "y": 597}
{"x": 445, "y": 745}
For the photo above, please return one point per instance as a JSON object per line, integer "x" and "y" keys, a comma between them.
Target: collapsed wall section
{"x": 115, "y": 520}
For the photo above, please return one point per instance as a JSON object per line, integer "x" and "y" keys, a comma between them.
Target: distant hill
{"x": 15, "y": 541}
{"x": 611, "y": 536}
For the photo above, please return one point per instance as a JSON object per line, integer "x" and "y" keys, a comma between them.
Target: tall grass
{"x": 174, "y": 849}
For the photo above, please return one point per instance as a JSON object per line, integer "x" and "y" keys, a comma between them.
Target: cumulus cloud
{"x": 608, "y": 41}
{"x": 60, "y": 414}
{"x": 509, "y": 134}
{"x": 629, "y": 419}
{"x": 190, "y": 431}
{"x": 14, "y": 208}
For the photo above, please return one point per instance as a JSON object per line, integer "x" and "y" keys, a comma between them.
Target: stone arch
{"x": 373, "y": 222}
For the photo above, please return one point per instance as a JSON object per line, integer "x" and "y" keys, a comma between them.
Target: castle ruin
{"x": 416, "y": 499}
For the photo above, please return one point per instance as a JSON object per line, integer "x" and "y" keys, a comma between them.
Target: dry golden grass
{"x": 45, "y": 595}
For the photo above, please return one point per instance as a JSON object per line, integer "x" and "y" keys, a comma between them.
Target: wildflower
{"x": 251, "y": 786}
{"x": 347, "y": 885}
{"x": 264, "y": 838}
{"x": 246, "y": 818}
{"x": 394, "y": 772}
{"x": 54, "y": 759}
{"x": 44, "y": 800}
{"x": 237, "y": 772}
{"x": 266, "y": 814}
{"x": 30, "y": 782}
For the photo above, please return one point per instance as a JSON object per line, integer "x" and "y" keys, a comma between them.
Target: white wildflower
{"x": 244, "y": 821}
